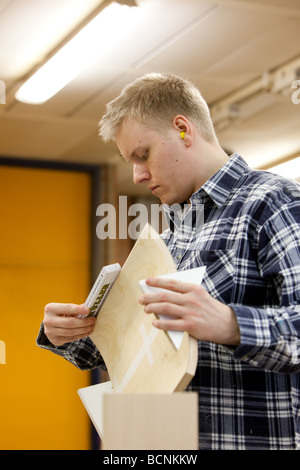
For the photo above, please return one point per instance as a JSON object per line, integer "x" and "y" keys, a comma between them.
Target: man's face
{"x": 160, "y": 160}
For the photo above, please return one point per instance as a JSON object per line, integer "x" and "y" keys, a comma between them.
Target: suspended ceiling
{"x": 224, "y": 46}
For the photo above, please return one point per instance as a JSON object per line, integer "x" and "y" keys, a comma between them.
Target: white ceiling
{"x": 225, "y": 47}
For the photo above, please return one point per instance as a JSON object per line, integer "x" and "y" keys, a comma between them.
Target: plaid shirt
{"x": 249, "y": 242}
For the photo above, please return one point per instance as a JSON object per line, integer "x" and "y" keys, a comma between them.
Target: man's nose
{"x": 140, "y": 174}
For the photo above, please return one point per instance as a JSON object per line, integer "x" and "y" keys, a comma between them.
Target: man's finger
{"x": 170, "y": 284}
{"x": 66, "y": 309}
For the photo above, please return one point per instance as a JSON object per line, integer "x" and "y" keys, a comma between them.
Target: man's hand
{"x": 193, "y": 310}
{"x": 62, "y": 323}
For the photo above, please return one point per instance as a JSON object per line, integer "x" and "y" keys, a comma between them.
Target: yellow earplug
{"x": 182, "y": 134}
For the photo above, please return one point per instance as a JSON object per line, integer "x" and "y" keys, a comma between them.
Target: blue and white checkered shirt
{"x": 249, "y": 242}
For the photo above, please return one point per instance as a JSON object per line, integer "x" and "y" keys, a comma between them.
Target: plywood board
{"x": 139, "y": 357}
{"x": 150, "y": 421}
{"x": 92, "y": 398}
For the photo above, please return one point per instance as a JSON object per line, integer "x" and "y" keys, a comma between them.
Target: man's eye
{"x": 145, "y": 155}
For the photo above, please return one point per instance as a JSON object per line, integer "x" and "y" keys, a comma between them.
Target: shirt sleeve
{"x": 81, "y": 353}
{"x": 270, "y": 336}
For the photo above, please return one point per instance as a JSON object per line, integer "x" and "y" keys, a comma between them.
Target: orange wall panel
{"x": 44, "y": 257}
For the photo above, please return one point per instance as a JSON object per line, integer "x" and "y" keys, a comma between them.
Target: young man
{"x": 245, "y": 315}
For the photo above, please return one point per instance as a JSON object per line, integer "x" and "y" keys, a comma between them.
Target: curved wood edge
{"x": 191, "y": 367}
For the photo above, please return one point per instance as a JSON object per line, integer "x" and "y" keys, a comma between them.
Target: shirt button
{"x": 179, "y": 256}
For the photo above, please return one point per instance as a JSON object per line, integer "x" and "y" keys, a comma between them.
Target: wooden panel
{"x": 155, "y": 421}
{"x": 139, "y": 357}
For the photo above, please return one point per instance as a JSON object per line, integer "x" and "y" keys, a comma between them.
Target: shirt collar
{"x": 218, "y": 187}
{"x": 221, "y": 184}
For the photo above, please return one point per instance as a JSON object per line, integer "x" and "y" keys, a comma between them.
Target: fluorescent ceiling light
{"x": 289, "y": 169}
{"x": 97, "y": 37}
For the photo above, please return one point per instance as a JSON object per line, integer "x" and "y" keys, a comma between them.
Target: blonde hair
{"x": 155, "y": 99}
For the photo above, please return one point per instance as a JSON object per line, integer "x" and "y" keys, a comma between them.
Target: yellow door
{"x": 44, "y": 257}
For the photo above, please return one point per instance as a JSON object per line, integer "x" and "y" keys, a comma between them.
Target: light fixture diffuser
{"x": 98, "y": 36}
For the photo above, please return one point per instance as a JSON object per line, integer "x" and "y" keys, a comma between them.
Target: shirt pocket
{"x": 219, "y": 277}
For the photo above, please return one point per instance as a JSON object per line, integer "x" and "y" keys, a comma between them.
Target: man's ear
{"x": 184, "y": 128}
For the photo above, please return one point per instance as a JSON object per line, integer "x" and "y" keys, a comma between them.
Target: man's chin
{"x": 168, "y": 201}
